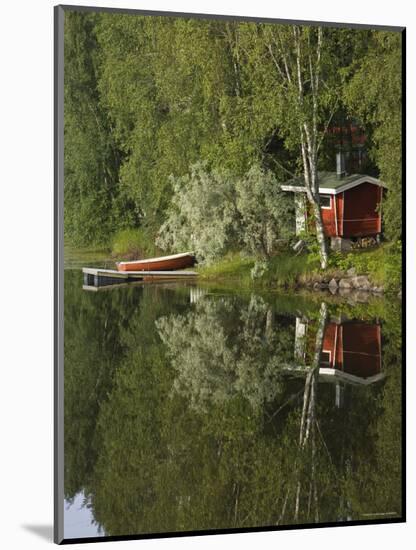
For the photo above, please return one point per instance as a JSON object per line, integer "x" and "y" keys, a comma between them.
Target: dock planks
{"x": 98, "y": 277}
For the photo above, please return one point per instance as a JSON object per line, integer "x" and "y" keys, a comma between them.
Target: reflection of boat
{"x": 95, "y": 276}
{"x": 173, "y": 262}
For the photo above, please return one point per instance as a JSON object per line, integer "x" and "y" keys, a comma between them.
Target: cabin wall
{"x": 328, "y": 219}
{"x": 360, "y": 216}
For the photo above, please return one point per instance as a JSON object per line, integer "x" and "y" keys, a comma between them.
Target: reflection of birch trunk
{"x": 307, "y": 426}
{"x": 309, "y": 395}
{"x": 269, "y": 325}
{"x": 300, "y": 340}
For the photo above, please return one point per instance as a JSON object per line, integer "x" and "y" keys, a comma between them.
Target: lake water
{"x": 194, "y": 408}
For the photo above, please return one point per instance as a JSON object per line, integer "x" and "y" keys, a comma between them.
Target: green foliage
{"x": 287, "y": 269}
{"x": 91, "y": 158}
{"x": 258, "y": 270}
{"x": 147, "y": 98}
{"x": 374, "y": 93}
{"x": 213, "y": 212}
{"x": 312, "y": 248}
{"x": 364, "y": 262}
{"x": 203, "y": 216}
{"x": 393, "y": 266}
{"x": 266, "y": 212}
{"x": 182, "y": 78}
{"x": 382, "y": 264}
{"x": 270, "y": 65}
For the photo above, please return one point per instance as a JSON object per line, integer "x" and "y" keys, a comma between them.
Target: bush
{"x": 202, "y": 214}
{"x": 267, "y": 213}
{"x": 213, "y": 212}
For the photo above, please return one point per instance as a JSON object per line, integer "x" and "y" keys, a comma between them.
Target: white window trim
{"x": 330, "y": 355}
{"x": 330, "y": 202}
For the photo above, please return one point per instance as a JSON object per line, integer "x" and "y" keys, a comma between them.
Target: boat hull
{"x": 170, "y": 263}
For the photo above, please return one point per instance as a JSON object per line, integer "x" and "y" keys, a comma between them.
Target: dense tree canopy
{"x": 92, "y": 158}
{"x": 148, "y": 97}
{"x": 374, "y": 93}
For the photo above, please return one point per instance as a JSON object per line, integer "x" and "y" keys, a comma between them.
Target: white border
{"x": 26, "y": 224}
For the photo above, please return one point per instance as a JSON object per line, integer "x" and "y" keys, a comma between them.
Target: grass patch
{"x": 130, "y": 244}
{"x": 283, "y": 270}
{"x": 286, "y": 270}
{"x": 231, "y": 267}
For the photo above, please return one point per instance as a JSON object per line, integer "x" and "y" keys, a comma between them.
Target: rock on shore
{"x": 348, "y": 283}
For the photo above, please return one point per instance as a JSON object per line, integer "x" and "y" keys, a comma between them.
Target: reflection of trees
{"x": 181, "y": 436}
{"x": 220, "y": 350}
{"x": 91, "y": 350}
{"x": 100, "y": 330}
{"x": 381, "y": 472}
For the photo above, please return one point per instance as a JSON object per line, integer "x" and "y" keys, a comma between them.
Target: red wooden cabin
{"x": 350, "y": 205}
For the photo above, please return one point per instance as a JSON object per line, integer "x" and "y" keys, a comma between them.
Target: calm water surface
{"x": 190, "y": 408}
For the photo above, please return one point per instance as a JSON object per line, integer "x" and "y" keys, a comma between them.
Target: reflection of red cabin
{"x": 353, "y": 348}
{"x": 350, "y": 205}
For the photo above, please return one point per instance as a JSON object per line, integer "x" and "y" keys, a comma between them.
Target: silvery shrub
{"x": 213, "y": 212}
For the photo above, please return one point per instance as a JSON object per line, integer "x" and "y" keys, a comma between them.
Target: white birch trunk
{"x": 309, "y": 136}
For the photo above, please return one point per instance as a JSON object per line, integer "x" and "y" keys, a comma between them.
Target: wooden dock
{"x": 98, "y": 277}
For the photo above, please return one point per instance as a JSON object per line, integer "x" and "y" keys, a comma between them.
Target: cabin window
{"x": 325, "y": 357}
{"x": 325, "y": 202}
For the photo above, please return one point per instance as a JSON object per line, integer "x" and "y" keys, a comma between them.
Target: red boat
{"x": 164, "y": 263}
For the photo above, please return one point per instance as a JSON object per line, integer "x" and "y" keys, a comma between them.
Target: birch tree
{"x": 295, "y": 72}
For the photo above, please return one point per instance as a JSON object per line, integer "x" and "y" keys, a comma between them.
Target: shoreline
{"x": 283, "y": 272}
